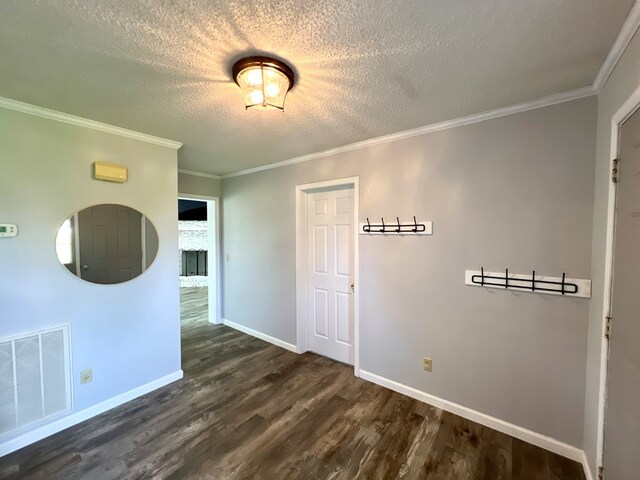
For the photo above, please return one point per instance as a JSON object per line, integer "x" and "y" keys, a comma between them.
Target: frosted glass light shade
{"x": 264, "y": 82}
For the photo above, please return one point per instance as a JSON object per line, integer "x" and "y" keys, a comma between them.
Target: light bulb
{"x": 256, "y": 97}
{"x": 254, "y": 76}
{"x": 272, "y": 90}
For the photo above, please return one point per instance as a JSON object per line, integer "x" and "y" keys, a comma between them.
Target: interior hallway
{"x": 248, "y": 409}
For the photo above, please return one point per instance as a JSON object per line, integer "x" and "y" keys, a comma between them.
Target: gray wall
{"x": 513, "y": 192}
{"x": 622, "y": 83}
{"x": 128, "y": 333}
{"x": 196, "y": 185}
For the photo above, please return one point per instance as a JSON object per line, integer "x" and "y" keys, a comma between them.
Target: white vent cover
{"x": 35, "y": 380}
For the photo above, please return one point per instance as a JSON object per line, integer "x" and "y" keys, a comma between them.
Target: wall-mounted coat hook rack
{"x": 568, "y": 287}
{"x": 397, "y": 228}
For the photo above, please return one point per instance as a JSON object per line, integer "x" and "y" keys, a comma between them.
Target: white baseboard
{"x": 260, "y": 335}
{"x": 529, "y": 436}
{"x": 32, "y": 436}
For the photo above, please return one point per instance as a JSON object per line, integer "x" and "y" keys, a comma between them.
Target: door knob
{"x": 353, "y": 286}
{"x": 85, "y": 267}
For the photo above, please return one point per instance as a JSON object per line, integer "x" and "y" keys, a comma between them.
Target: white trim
{"x": 191, "y": 196}
{"x": 627, "y": 109}
{"x": 215, "y": 259}
{"x": 435, "y": 127}
{"x": 260, "y": 335}
{"x": 529, "y": 436}
{"x": 84, "y": 122}
{"x": 301, "y": 195}
{"x": 193, "y": 173}
{"x": 628, "y": 30}
{"x": 218, "y": 262}
{"x": 585, "y": 466}
{"x": 73, "y": 419}
{"x": 30, "y": 333}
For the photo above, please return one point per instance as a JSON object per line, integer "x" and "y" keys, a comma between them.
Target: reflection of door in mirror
{"x": 110, "y": 244}
{"x": 66, "y": 244}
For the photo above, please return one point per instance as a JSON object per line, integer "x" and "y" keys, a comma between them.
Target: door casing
{"x": 215, "y": 258}
{"x": 301, "y": 198}
{"x": 627, "y": 109}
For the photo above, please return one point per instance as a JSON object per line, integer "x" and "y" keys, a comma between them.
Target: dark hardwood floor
{"x": 247, "y": 409}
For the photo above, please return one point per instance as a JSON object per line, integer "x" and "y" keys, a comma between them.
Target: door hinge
{"x": 600, "y": 473}
{"x": 614, "y": 170}
{"x": 607, "y": 327}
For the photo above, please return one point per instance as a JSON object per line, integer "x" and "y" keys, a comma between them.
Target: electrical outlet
{"x": 426, "y": 364}
{"x": 227, "y": 257}
{"x": 86, "y": 376}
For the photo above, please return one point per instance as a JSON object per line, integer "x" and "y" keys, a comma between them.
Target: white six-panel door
{"x": 330, "y": 273}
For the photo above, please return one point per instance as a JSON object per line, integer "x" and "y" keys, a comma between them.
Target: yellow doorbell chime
{"x": 110, "y": 172}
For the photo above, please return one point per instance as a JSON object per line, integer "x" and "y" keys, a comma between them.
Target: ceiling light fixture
{"x": 264, "y": 81}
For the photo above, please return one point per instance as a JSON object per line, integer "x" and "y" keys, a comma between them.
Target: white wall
{"x": 624, "y": 80}
{"x": 512, "y": 192}
{"x": 129, "y": 334}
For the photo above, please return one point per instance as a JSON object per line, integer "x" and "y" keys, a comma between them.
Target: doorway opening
{"x": 327, "y": 317}
{"x": 198, "y": 254}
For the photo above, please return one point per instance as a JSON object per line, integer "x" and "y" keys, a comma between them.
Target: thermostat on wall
{"x": 8, "y": 230}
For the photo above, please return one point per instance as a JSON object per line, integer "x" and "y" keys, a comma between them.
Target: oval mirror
{"x": 107, "y": 244}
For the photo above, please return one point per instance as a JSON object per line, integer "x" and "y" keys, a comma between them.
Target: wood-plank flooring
{"x": 249, "y": 410}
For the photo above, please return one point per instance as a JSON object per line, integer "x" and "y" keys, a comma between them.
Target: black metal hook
{"x": 533, "y": 281}
{"x": 398, "y": 228}
{"x": 541, "y": 285}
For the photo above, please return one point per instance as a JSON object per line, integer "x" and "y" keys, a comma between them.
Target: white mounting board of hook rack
{"x": 428, "y": 228}
{"x": 584, "y": 286}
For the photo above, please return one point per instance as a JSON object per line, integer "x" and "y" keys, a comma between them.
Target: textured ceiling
{"x": 365, "y": 68}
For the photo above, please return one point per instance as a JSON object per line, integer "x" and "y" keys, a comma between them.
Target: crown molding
{"x": 628, "y": 30}
{"x": 84, "y": 122}
{"x": 435, "y": 127}
{"x": 198, "y": 174}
